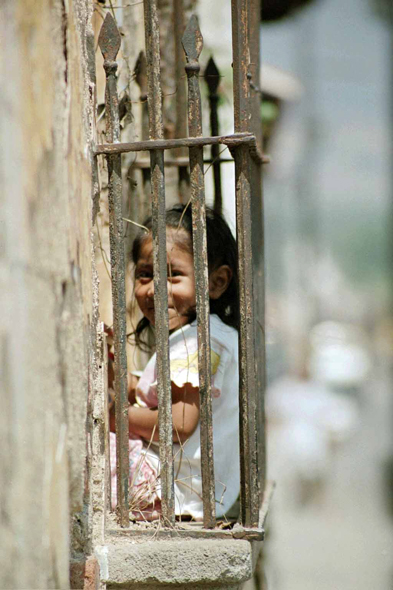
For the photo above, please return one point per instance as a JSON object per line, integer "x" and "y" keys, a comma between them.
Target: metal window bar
{"x": 181, "y": 99}
{"x": 109, "y": 42}
{"x": 257, "y": 234}
{"x": 156, "y": 132}
{"x": 192, "y": 44}
{"x": 249, "y": 466}
{"x": 244, "y": 147}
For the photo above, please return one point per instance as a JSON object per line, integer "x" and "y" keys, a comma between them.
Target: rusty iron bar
{"x": 109, "y": 43}
{"x": 258, "y": 232}
{"x": 176, "y": 162}
{"x": 240, "y": 65}
{"x": 184, "y": 161}
{"x": 232, "y": 140}
{"x": 164, "y": 392}
{"x": 212, "y": 78}
{"x": 192, "y": 44}
{"x": 249, "y": 468}
{"x": 181, "y": 97}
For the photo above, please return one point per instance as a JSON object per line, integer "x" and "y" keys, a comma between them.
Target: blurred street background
{"x": 328, "y": 89}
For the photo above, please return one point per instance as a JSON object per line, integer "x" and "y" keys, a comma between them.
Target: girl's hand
{"x": 132, "y": 382}
{"x": 143, "y": 422}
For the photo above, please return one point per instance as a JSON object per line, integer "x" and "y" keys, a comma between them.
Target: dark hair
{"x": 221, "y": 249}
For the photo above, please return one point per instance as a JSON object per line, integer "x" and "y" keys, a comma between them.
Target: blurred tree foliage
{"x": 383, "y": 8}
{"x": 270, "y": 112}
{"x": 276, "y": 9}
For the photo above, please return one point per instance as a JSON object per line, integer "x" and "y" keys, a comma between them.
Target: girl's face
{"x": 181, "y": 282}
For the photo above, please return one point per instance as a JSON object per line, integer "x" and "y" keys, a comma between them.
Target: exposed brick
{"x": 92, "y": 574}
{"x": 77, "y": 574}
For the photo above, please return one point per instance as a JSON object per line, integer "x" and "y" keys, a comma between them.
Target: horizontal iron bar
{"x": 177, "y": 162}
{"x": 184, "y": 161}
{"x": 231, "y": 141}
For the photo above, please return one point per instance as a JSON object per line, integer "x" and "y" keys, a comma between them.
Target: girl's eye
{"x": 143, "y": 274}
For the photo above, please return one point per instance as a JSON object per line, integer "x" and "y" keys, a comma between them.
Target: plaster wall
{"x": 48, "y": 297}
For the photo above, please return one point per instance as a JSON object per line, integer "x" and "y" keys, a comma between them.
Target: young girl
{"x": 143, "y": 412}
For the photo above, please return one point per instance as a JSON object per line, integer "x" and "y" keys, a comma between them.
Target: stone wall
{"x": 48, "y": 296}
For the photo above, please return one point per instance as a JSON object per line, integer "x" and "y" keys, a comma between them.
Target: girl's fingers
{"x": 108, "y": 330}
{"x": 109, "y": 333}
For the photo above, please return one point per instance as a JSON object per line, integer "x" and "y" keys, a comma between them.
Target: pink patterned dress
{"x": 143, "y": 481}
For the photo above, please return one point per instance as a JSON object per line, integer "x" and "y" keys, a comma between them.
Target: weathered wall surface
{"x": 47, "y": 295}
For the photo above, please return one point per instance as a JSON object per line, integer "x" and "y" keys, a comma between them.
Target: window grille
{"x": 248, "y": 158}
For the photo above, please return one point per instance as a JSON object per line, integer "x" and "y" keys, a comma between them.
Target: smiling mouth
{"x": 174, "y": 311}
{"x": 170, "y": 309}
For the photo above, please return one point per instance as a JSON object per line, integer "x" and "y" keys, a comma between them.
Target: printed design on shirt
{"x": 190, "y": 363}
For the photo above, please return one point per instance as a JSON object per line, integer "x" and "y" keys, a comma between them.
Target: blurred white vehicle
{"x": 305, "y": 423}
{"x": 338, "y": 355}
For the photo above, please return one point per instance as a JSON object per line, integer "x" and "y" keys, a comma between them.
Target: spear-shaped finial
{"x": 140, "y": 73}
{"x": 212, "y": 76}
{"x": 192, "y": 40}
{"x": 109, "y": 39}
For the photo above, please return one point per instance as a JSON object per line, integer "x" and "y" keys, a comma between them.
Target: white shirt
{"x": 225, "y": 405}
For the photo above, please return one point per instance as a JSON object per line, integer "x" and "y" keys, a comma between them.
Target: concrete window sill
{"x": 131, "y": 563}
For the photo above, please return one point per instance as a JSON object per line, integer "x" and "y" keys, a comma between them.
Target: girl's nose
{"x": 150, "y": 290}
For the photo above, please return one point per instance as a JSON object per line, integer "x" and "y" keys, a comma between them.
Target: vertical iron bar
{"x": 192, "y": 43}
{"x": 212, "y": 77}
{"x": 250, "y": 488}
{"x": 156, "y": 131}
{"x": 109, "y": 42}
{"x": 181, "y": 105}
{"x": 258, "y": 246}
